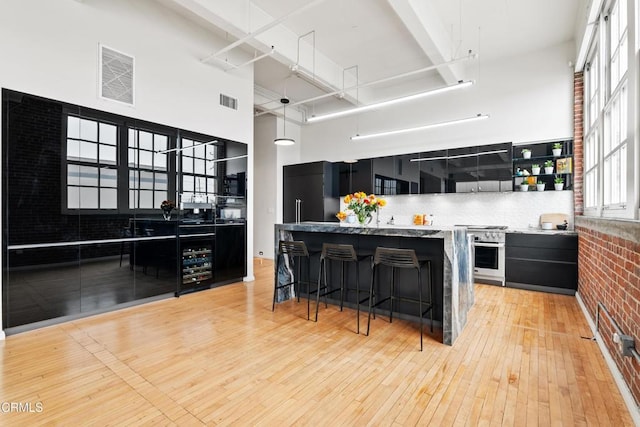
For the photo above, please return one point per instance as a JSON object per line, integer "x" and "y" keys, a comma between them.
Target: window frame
{"x": 66, "y": 162}
{"x": 601, "y": 129}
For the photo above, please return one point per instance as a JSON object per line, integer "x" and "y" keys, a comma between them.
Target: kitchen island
{"x": 448, "y": 248}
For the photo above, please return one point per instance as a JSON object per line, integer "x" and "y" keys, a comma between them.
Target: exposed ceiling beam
{"x": 270, "y": 33}
{"x": 262, "y": 29}
{"x": 422, "y": 21}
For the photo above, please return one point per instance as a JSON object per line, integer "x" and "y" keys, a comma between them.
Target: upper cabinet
{"x": 483, "y": 168}
{"x": 394, "y": 175}
{"x": 494, "y": 167}
{"x": 462, "y": 170}
{"x": 355, "y": 176}
{"x": 433, "y": 172}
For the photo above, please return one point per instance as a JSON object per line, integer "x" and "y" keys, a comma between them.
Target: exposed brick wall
{"x": 578, "y": 106}
{"x": 609, "y": 272}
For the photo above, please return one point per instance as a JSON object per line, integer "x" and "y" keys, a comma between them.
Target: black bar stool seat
{"x": 401, "y": 258}
{"x": 295, "y": 251}
{"x": 342, "y": 253}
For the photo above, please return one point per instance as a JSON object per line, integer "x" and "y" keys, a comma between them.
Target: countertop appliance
{"x": 489, "y": 253}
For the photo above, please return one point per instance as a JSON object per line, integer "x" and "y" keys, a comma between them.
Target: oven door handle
{"x": 489, "y": 245}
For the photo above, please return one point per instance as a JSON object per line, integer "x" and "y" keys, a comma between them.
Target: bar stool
{"x": 401, "y": 258}
{"x": 295, "y": 250}
{"x": 343, "y": 254}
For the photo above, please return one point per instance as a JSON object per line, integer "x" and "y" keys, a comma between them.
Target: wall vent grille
{"x": 116, "y": 75}
{"x": 228, "y": 101}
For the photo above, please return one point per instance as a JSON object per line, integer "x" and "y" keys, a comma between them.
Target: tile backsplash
{"x": 514, "y": 209}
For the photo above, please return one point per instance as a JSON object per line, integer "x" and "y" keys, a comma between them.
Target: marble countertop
{"x": 434, "y": 231}
{"x": 380, "y": 230}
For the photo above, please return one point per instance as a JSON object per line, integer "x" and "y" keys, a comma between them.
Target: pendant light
{"x": 284, "y": 140}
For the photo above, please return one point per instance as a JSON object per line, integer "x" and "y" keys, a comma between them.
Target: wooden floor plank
{"x": 222, "y": 357}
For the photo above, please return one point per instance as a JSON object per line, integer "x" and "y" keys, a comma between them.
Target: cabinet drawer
{"x": 542, "y": 241}
{"x": 542, "y": 273}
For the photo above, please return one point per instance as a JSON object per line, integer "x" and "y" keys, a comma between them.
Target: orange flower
{"x": 382, "y": 202}
{"x": 347, "y": 198}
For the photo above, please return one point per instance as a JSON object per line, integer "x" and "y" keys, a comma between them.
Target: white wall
{"x": 529, "y": 98}
{"x": 54, "y": 53}
{"x": 269, "y": 159}
{"x": 50, "y": 48}
{"x": 265, "y": 186}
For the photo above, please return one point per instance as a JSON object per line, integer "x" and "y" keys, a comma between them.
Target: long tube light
{"x": 459, "y": 156}
{"x": 459, "y": 85}
{"x": 415, "y": 129}
{"x": 186, "y": 148}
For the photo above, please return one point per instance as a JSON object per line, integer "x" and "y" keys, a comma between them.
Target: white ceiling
{"x": 378, "y": 39}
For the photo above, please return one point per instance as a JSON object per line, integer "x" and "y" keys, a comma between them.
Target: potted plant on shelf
{"x": 526, "y": 153}
{"x": 548, "y": 167}
{"x": 540, "y": 186}
{"x": 524, "y": 186}
{"x": 558, "y": 183}
{"x": 556, "y": 149}
{"x": 535, "y": 169}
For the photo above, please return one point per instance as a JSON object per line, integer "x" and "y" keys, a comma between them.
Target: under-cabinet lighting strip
{"x": 484, "y": 153}
{"x": 415, "y": 129}
{"x": 460, "y": 85}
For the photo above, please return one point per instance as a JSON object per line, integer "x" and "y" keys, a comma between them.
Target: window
{"x": 148, "y": 169}
{"x": 198, "y": 169}
{"x": 608, "y": 111}
{"x": 92, "y": 174}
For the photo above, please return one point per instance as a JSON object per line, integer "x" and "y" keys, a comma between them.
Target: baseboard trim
{"x": 632, "y": 406}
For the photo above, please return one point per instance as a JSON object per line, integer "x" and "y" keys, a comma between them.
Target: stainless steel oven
{"x": 489, "y": 259}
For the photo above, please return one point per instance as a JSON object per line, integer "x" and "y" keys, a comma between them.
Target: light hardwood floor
{"x": 222, "y": 357}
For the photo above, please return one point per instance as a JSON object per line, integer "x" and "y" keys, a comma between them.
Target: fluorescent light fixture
{"x": 459, "y": 156}
{"x": 186, "y": 148}
{"x": 459, "y": 85}
{"x": 230, "y": 158}
{"x": 415, "y": 129}
{"x": 284, "y": 141}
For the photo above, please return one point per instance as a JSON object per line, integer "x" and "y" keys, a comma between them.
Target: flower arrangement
{"x": 167, "y": 205}
{"x": 361, "y": 205}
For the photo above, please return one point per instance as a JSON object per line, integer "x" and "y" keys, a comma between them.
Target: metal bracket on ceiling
{"x": 229, "y": 66}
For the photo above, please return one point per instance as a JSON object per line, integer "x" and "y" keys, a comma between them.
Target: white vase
{"x": 548, "y": 170}
{"x": 526, "y": 154}
{"x": 535, "y": 171}
{"x": 524, "y": 187}
{"x": 559, "y": 186}
{"x": 540, "y": 187}
{"x": 556, "y": 151}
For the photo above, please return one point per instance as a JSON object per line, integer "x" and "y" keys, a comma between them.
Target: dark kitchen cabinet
{"x": 394, "y": 175}
{"x": 542, "y": 262}
{"x": 355, "y": 176}
{"x": 407, "y": 173}
{"x": 462, "y": 170}
{"x": 494, "y": 168}
{"x": 433, "y": 172}
{"x": 230, "y": 254}
{"x": 485, "y": 168}
{"x": 310, "y": 192}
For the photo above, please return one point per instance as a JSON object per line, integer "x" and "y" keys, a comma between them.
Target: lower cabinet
{"x": 230, "y": 253}
{"x": 541, "y": 262}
